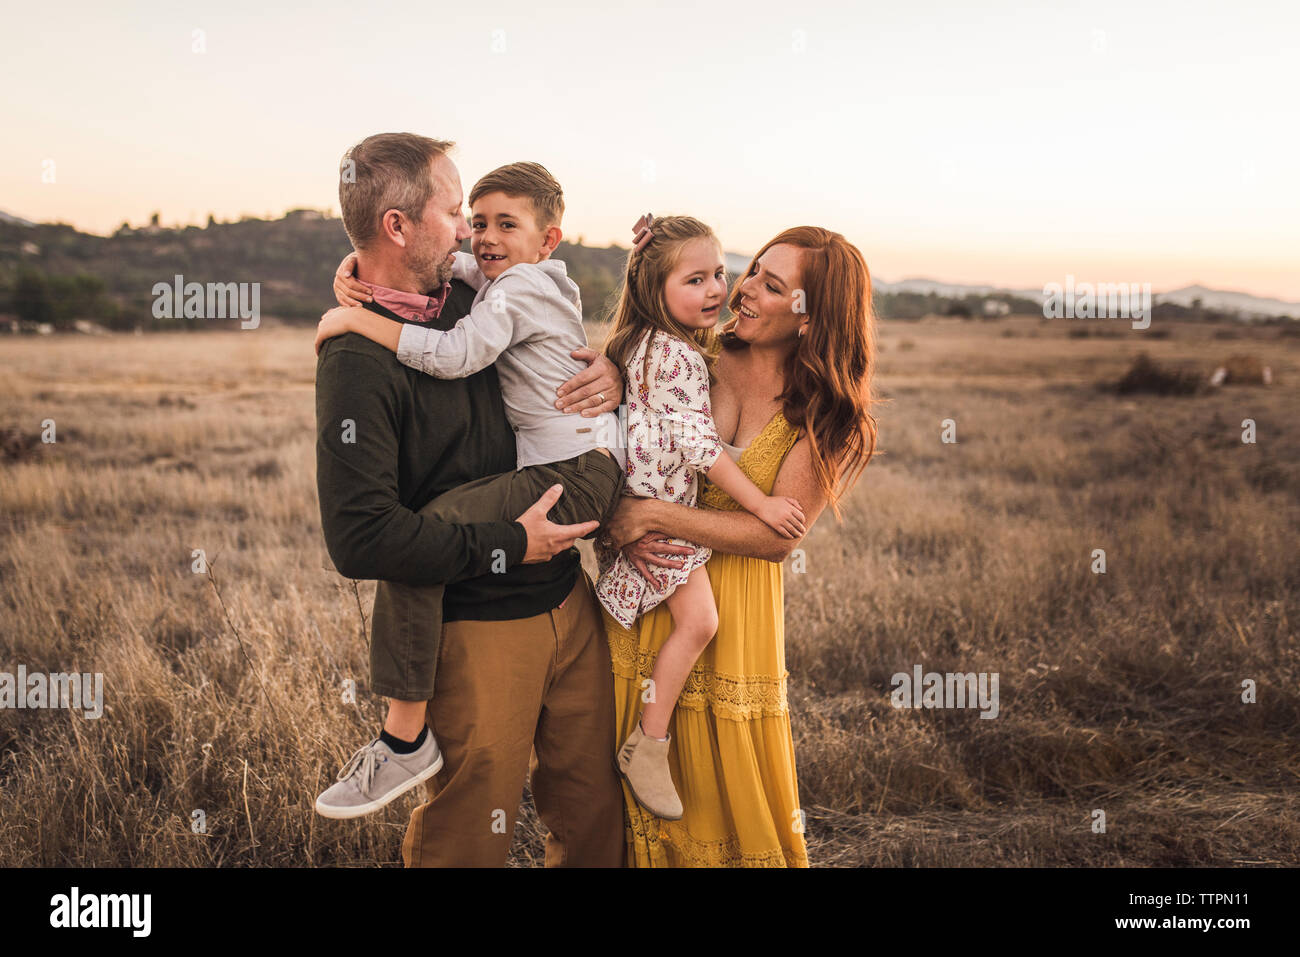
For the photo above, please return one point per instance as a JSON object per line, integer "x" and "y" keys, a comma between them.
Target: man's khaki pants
{"x": 539, "y": 686}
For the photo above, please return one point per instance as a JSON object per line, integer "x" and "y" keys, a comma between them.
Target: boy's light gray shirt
{"x": 527, "y": 321}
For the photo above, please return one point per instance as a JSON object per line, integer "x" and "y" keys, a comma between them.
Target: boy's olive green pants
{"x": 406, "y": 625}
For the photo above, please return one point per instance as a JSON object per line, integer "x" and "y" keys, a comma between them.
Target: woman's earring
{"x": 802, "y": 330}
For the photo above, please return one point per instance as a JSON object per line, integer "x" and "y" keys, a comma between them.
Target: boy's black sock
{"x": 403, "y": 747}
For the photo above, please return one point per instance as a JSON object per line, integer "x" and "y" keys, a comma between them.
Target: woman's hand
{"x": 334, "y": 323}
{"x": 628, "y": 530}
{"x": 595, "y": 390}
{"x": 653, "y": 549}
{"x": 347, "y": 288}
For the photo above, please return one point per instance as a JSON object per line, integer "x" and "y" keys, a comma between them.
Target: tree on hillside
{"x": 31, "y": 297}
{"x": 61, "y": 300}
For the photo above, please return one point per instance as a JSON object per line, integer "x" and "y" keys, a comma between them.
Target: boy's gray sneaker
{"x": 375, "y": 775}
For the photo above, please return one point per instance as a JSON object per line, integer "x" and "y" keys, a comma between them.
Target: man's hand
{"x": 595, "y": 390}
{"x": 347, "y": 288}
{"x": 653, "y": 549}
{"x": 630, "y": 521}
{"x": 545, "y": 539}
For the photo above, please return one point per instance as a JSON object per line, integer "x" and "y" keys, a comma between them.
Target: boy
{"x": 526, "y": 318}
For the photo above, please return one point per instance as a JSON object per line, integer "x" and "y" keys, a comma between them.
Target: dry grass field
{"x": 1118, "y": 691}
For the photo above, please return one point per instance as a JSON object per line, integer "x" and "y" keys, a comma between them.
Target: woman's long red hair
{"x": 828, "y": 374}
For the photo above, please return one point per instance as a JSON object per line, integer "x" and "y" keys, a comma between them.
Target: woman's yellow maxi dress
{"x": 732, "y": 754}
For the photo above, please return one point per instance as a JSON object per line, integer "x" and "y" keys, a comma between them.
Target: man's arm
{"x": 732, "y": 532}
{"x": 369, "y": 533}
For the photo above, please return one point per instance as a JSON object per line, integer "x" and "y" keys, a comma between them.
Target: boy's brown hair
{"x": 530, "y": 180}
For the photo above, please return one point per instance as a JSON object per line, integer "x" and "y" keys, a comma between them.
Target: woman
{"x": 792, "y": 403}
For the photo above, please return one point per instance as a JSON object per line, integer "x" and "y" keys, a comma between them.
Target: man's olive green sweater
{"x": 388, "y": 440}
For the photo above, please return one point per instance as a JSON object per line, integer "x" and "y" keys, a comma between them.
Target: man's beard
{"x": 429, "y": 268}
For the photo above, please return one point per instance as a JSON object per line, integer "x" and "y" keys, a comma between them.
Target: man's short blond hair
{"x": 530, "y": 180}
{"x": 382, "y": 172}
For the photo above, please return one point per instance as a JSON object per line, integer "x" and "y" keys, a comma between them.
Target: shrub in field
{"x": 15, "y": 444}
{"x": 1246, "y": 370}
{"x": 1147, "y": 375}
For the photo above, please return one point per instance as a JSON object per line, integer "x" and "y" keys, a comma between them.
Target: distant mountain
{"x": 1242, "y": 303}
{"x": 14, "y": 220}
{"x": 948, "y": 290}
{"x": 736, "y": 263}
{"x": 921, "y": 287}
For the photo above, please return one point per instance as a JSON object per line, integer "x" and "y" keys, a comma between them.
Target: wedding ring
{"x": 601, "y": 396}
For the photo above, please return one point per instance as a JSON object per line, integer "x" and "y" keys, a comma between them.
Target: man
{"x": 524, "y": 666}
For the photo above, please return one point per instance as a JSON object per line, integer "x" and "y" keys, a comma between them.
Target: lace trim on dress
{"x": 653, "y": 834}
{"x": 763, "y": 456}
{"x": 735, "y": 697}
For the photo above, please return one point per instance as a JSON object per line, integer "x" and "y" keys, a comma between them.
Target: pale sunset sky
{"x": 983, "y": 141}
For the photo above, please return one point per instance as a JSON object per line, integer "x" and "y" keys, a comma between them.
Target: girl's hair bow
{"x": 641, "y": 233}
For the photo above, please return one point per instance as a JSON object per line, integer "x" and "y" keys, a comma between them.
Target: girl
{"x": 663, "y": 338}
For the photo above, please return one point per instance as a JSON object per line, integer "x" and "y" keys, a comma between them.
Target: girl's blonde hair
{"x": 641, "y": 303}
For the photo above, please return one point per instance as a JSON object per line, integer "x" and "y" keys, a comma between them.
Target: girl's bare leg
{"x": 695, "y": 621}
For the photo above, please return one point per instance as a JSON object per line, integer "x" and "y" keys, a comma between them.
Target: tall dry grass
{"x": 1119, "y": 692}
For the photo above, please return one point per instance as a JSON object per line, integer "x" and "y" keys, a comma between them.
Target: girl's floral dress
{"x": 671, "y": 437}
